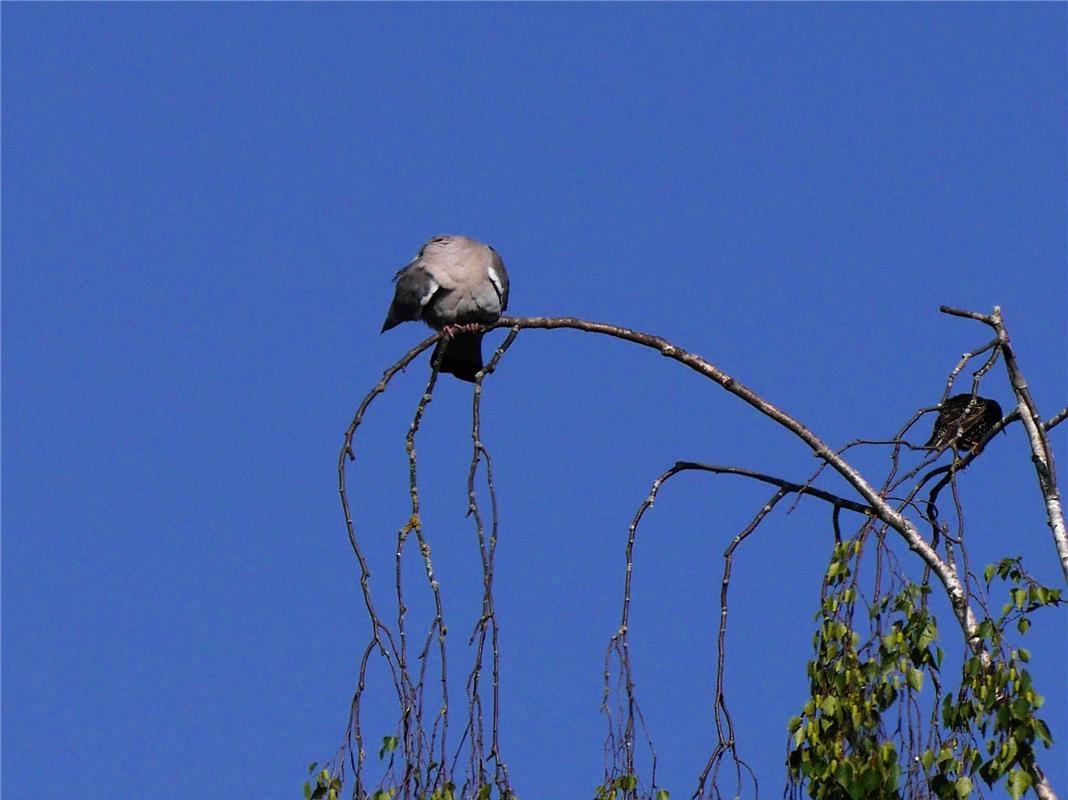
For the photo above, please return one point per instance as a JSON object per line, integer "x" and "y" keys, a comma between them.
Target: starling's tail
{"x": 935, "y": 441}
{"x": 463, "y": 356}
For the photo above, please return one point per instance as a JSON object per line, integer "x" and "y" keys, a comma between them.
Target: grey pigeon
{"x": 453, "y": 282}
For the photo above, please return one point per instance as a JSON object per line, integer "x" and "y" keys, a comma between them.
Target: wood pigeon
{"x": 456, "y": 285}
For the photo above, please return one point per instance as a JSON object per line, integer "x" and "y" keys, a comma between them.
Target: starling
{"x": 963, "y": 422}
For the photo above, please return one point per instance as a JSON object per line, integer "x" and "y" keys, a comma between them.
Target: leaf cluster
{"x": 840, "y": 748}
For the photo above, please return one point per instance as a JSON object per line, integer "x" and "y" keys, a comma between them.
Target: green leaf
{"x": 1010, "y": 750}
{"x": 1018, "y": 782}
{"x": 1023, "y": 624}
{"x": 663, "y": 794}
{"x": 1025, "y": 684}
{"x": 1019, "y": 597}
{"x": 628, "y": 783}
{"x": 844, "y": 775}
{"x": 484, "y": 792}
{"x": 986, "y": 628}
{"x": 963, "y": 786}
{"x": 915, "y": 679}
{"x": 869, "y": 782}
{"x": 1020, "y": 708}
{"x": 928, "y": 635}
{"x": 1043, "y": 733}
{"x": 389, "y": 744}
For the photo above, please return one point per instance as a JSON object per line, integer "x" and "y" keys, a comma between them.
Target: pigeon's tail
{"x": 395, "y": 317}
{"x": 463, "y": 356}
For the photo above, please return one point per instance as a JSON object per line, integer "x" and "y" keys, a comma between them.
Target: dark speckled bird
{"x": 971, "y": 417}
{"x": 457, "y": 285}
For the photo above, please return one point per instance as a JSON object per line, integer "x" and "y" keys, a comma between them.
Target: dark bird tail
{"x": 394, "y": 318}
{"x": 463, "y": 356}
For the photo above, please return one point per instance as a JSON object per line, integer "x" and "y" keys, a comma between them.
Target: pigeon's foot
{"x": 451, "y": 330}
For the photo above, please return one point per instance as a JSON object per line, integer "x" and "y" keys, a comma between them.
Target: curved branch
{"x": 788, "y": 486}
{"x": 883, "y": 510}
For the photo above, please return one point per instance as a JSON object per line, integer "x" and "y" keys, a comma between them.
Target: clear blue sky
{"x": 203, "y": 206}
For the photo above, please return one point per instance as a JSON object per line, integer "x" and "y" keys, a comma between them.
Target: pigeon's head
{"x": 438, "y": 243}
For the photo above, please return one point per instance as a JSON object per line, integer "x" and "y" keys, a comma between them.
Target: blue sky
{"x": 203, "y": 205}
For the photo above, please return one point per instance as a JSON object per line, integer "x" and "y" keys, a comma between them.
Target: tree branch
{"x": 883, "y": 510}
{"x": 789, "y": 486}
{"x": 1041, "y": 453}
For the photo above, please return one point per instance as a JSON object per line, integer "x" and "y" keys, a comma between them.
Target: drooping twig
{"x": 488, "y": 618}
{"x": 381, "y": 635}
{"x": 726, "y": 742}
{"x": 414, "y": 735}
{"x": 619, "y": 642}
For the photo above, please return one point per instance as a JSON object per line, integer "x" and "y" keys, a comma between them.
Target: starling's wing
{"x": 993, "y": 413}
{"x": 984, "y": 416}
{"x": 964, "y": 419}
{"x": 939, "y": 432}
{"x": 415, "y": 287}
{"x": 973, "y": 415}
{"x": 945, "y": 427}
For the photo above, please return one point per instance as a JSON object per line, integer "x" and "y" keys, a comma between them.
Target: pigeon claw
{"x": 450, "y": 331}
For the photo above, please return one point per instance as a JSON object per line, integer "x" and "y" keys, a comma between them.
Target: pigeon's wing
{"x": 415, "y": 287}
{"x": 498, "y": 277}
